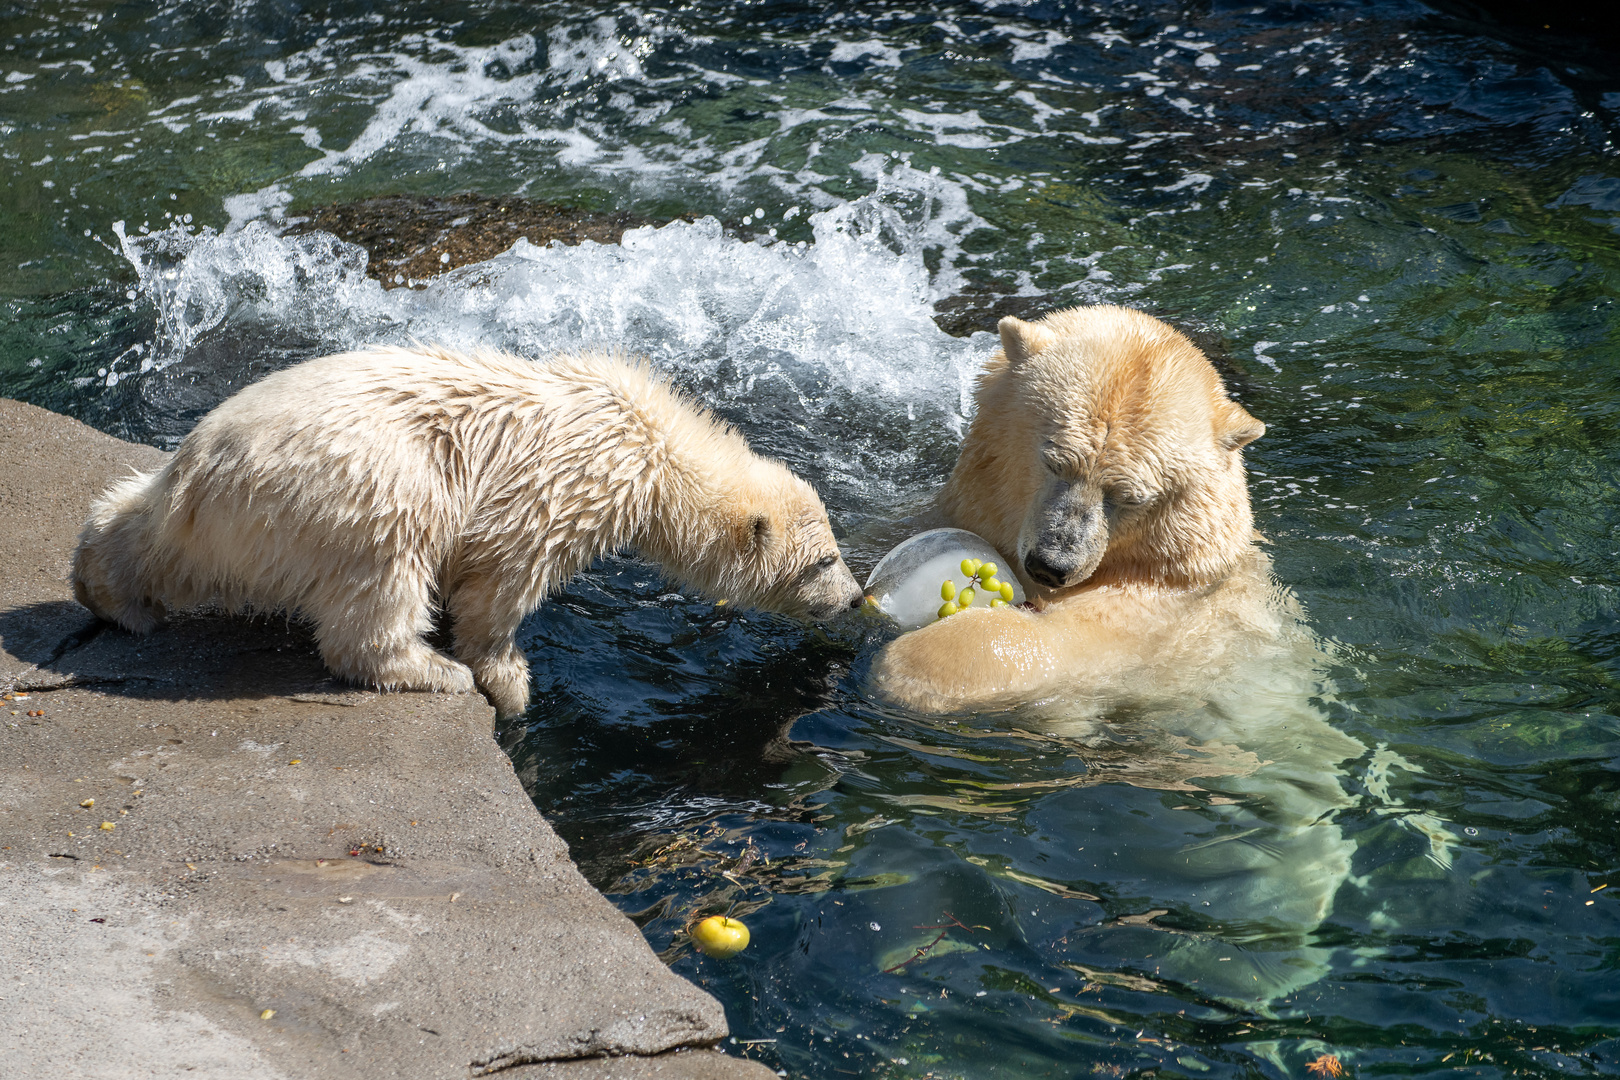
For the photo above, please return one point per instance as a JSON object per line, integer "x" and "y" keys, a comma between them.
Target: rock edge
{"x": 214, "y": 860}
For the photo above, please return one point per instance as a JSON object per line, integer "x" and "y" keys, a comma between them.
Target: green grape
{"x": 947, "y": 591}
{"x": 966, "y": 598}
{"x": 1007, "y": 591}
{"x": 970, "y": 567}
{"x": 998, "y": 603}
{"x": 948, "y": 608}
{"x": 988, "y": 571}
{"x": 991, "y": 584}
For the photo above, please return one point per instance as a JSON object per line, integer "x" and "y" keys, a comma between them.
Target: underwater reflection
{"x": 1232, "y": 863}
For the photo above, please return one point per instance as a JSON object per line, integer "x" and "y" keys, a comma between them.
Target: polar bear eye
{"x": 826, "y": 562}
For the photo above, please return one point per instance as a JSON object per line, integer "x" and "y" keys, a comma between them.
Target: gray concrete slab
{"x": 215, "y": 861}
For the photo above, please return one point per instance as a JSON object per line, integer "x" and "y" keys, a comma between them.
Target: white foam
{"x": 1033, "y": 44}
{"x": 592, "y": 52}
{"x": 797, "y": 332}
{"x": 882, "y": 55}
{"x": 442, "y": 100}
{"x": 976, "y": 130}
{"x": 1196, "y": 180}
{"x": 579, "y": 98}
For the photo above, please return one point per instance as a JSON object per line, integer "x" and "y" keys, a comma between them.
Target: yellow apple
{"x": 720, "y": 937}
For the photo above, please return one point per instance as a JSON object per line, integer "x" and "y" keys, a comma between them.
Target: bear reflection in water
{"x": 1104, "y": 463}
{"x": 1230, "y": 833}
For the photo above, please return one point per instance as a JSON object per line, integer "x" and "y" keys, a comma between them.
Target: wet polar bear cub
{"x": 365, "y": 490}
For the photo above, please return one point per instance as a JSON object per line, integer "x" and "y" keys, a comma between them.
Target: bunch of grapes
{"x": 982, "y": 574}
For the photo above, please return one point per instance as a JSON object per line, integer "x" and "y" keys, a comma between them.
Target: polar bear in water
{"x": 1105, "y": 463}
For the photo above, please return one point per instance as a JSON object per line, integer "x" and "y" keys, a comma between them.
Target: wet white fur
{"x": 366, "y": 490}
{"x": 1180, "y": 620}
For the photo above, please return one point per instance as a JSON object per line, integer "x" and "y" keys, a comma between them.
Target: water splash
{"x": 815, "y": 347}
{"x": 198, "y": 281}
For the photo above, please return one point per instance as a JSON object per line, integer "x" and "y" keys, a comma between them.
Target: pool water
{"x": 1394, "y": 229}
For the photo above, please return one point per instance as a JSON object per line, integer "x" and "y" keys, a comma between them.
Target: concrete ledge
{"x": 365, "y": 867}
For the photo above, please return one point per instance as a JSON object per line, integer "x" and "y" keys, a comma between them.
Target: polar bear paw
{"x": 504, "y": 680}
{"x": 416, "y": 667}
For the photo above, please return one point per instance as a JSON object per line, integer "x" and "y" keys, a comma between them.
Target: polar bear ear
{"x": 1021, "y": 340}
{"x": 1235, "y": 428}
{"x": 756, "y": 533}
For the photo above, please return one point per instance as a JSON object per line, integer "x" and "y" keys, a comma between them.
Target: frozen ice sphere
{"x": 906, "y": 583}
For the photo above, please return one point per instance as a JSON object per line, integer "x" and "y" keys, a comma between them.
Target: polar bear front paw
{"x": 448, "y": 676}
{"x": 505, "y": 681}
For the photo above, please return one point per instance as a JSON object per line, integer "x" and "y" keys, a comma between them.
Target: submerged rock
{"x": 414, "y": 238}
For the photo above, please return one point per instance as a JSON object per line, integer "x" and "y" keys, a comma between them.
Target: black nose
{"x": 1043, "y": 571}
{"x": 860, "y": 598}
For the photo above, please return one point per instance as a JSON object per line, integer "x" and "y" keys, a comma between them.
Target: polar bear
{"x": 367, "y": 490}
{"x": 1105, "y": 464}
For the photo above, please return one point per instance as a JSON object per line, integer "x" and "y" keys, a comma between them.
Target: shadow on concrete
{"x": 197, "y": 656}
{"x": 41, "y": 634}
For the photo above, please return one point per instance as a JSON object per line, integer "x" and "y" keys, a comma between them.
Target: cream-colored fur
{"x": 1105, "y": 448}
{"x": 1106, "y": 456}
{"x": 366, "y": 490}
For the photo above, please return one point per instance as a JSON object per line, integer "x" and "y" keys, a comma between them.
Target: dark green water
{"x": 1397, "y": 236}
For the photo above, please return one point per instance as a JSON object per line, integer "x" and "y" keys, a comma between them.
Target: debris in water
{"x": 1326, "y": 1065}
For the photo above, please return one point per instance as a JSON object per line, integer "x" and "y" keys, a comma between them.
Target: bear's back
{"x": 430, "y": 439}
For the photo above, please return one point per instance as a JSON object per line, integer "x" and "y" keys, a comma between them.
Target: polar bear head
{"x": 787, "y": 559}
{"x": 1104, "y": 451}
{"x": 753, "y": 533}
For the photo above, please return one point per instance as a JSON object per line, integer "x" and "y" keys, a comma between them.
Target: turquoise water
{"x": 1395, "y": 235}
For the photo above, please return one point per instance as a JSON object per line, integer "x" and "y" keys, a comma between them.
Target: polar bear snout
{"x": 1065, "y": 536}
{"x": 851, "y": 595}
{"x": 854, "y": 598}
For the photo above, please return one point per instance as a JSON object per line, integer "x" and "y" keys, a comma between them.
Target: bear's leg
{"x": 113, "y": 561}
{"x": 111, "y": 593}
{"x": 483, "y": 623}
{"x": 373, "y": 635}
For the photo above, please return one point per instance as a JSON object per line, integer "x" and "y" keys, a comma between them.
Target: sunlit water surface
{"x": 1395, "y": 236}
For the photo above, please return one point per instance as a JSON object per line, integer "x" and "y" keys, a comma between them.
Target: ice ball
{"x": 919, "y": 577}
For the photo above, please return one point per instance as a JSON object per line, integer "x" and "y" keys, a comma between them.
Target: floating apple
{"x": 720, "y": 937}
